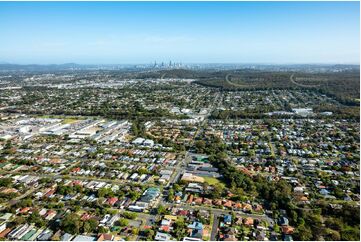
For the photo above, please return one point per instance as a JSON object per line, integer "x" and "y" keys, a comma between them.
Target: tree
{"x": 276, "y": 228}
{"x": 36, "y": 219}
{"x": 176, "y": 187}
{"x": 86, "y": 227}
{"x": 334, "y": 223}
{"x": 170, "y": 194}
{"x": 25, "y": 203}
{"x": 161, "y": 210}
{"x": 5, "y": 182}
{"x": 129, "y": 215}
{"x": 90, "y": 225}
{"x": 180, "y": 228}
{"x": 19, "y": 220}
{"x": 338, "y": 193}
{"x": 149, "y": 233}
{"x": 71, "y": 223}
{"x": 135, "y": 231}
{"x": 239, "y": 192}
{"x": 200, "y": 145}
{"x": 142, "y": 171}
{"x": 133, "y": 195}
{"x": 350, "y": 233}
{"x": 102, "y": 229}
{"x": 104, "y": 192}
{"x": 123, "y": 222}
{"x": 293, "y": 216}
{"x": 217, "y": 191}
{"x": 332, "y": 235}
{"x": 303, "y": 233}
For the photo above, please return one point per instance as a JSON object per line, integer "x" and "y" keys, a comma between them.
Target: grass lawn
{"x": 69, "y": 120}
{"x": 246, "y": 229}
{"x": 264, "y": 223}
{"x": 66, "y": 119}
{"x": 80, "y": 212}
{"x": 340, "y": 201}
{"x": 212, "y": 181}
{"x": 211, "y": 221}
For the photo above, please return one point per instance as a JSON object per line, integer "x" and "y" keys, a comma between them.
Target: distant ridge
{"x": 36, "y": 67}
{"x": 4, "y": 66}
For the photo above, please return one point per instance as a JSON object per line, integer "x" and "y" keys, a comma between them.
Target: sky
{"x": 187, "y": 32}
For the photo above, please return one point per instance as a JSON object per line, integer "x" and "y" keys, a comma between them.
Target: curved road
{"x": 302, "y": 85}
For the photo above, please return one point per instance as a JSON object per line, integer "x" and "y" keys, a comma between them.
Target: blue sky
{"x": 191, "y": 32}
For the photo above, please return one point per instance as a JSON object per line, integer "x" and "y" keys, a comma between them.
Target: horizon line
{"x": 189, "y": 63}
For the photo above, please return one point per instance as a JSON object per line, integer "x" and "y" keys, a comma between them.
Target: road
{"x": 82, "y": 178}
{"x": 187, "y": 157}
{"x": 217, "y": 213}
{"x": 302, "y": 85}
{"x": 17, "y": 199}
{"x": 149, "y": 219}
{"x": 214, "y": 227}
